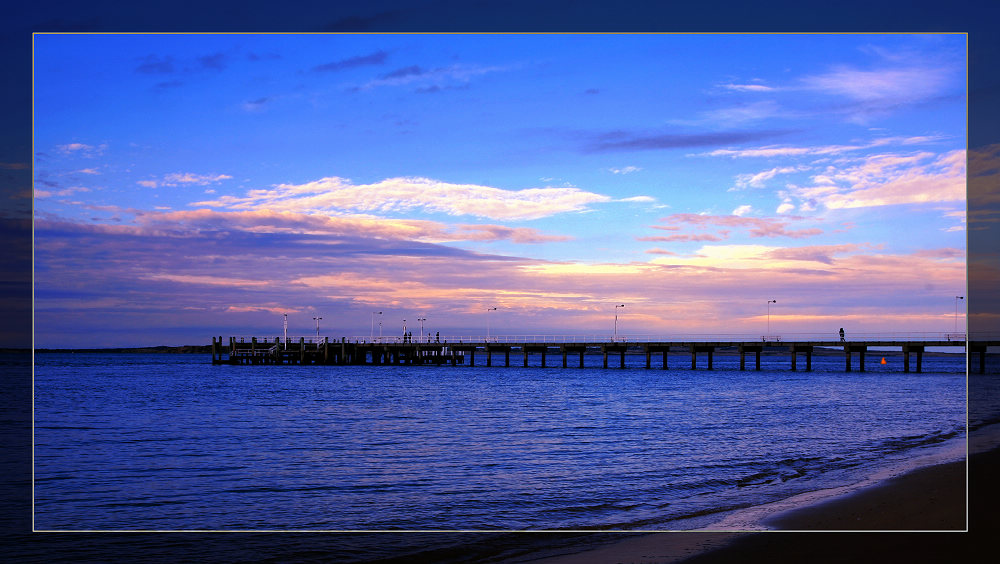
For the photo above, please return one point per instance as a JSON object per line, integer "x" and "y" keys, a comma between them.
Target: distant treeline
{"x": 184, "y": 349}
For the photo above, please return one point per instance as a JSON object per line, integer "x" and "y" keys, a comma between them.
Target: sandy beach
{"x": 918, "y": 516}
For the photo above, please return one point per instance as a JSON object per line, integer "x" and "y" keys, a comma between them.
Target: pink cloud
{"x": 757, "y": 227}
{"x": 263, "y": 221}
{"x": 682, "y": 237}
{"x": 890, "y": 179}
{"x": 212, "y": 271}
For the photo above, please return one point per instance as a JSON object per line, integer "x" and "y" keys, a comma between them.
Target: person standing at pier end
{"x": 841, "y": 334}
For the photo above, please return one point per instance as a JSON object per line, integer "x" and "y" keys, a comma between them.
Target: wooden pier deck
{"x": 242, "y": 351}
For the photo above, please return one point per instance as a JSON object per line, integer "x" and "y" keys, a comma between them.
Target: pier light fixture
{"x": 317, "y": 327}
{"x": 488, "y": 310}
{"x": 286, "y": 330}
{"x": 374, "y": 313}
{"x": 421, "y": 320}
{"x": 956, "y": 311}
{"x": 615, "y": 338}
{"x": 769, "y": 302}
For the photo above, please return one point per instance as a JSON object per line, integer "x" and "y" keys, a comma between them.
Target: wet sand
{"x": 920, "y": 516}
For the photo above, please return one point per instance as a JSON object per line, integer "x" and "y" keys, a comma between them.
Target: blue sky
{"x": 196, "y": 185}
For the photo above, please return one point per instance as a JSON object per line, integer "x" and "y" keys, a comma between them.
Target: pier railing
{"x": 867, "y": 337}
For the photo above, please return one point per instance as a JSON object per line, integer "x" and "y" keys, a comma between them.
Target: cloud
{"x": 757, "y": 180}
{"x": 433, "y": 78}
{"x": 820, "y": 150}
{"x": 357, "y": 226}
{"x": 168, "y": 84}
{"x": 634, "y": 141}
{"x": 640, "y": 199}
{"x": 179, "y": 178}
{"x": 82, "y": 149}
{"x": 216, "y": 61}
{"x": 748, "y": 87}
{"x": 405, "y": 72}
{"x": 206, "y": 271}
{"x": 375, "y": 58}
{"x": 940, "y": 253}
{"x": 684, "y": 237}
{"x": 626, "y": 170}
{"x": 167, "y": 65}
{"x": 891, "y": 179}
{"x": 333, "y": 195}
{"x": 207, "y": 280}
{"x": 63, "y": 192}
{"x": 743, "y": 210}
{"x": 745, "y": 113}
{"x": 657, "y": 251}
{"x": 898, "y": 84}
{"x": 256, "y": 105}
{"x": 821, "y": 253}
{"x": 757, "y": 227}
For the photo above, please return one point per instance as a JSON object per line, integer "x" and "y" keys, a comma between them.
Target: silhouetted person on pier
{"x": 437, "y": 337}
{"x": 841, "y": 334}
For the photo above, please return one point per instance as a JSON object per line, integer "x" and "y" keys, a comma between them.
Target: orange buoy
{"x": 883, "y": 360}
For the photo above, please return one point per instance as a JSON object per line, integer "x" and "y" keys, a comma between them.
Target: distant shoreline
{"x": 183, "y": 349}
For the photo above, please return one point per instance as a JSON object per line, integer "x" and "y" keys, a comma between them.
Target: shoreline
{"x": 926, "y": 498}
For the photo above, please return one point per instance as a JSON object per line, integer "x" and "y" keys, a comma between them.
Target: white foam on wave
{"x": 953, "y": 450}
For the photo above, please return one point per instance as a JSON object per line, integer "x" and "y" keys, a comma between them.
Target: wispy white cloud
{"x": 748, "y": 87}
{"x": 625, "y": 170}
{"x": 179, "y": 178}
{"x": 63, "y": 192}
{"x": 890, "y": 179}
{"x": 755, "y": 111}
{"x": 901, "y": 84}
{"x": 333, "y": 195}
{"x": 820, "y": 150}
{"x": 758, "y": 179}
{"x": 82, "y": 149}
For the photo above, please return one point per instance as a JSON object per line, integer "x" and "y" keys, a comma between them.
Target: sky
{"x": 196, "y": 185}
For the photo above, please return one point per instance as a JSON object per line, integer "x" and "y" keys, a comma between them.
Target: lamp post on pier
{"x": 372, "y": 336}
{"x": 488, "y": 310}
{"x": 286, "y": 331}
{"x": 317, "y": 327}
{"x": 421, "y": 320}
{"x": 769, "y": 302}
{"x": 615, "y": 338}
{"x": 404, "y": 330}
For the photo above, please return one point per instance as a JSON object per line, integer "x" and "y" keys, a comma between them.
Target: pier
{"x": 498, "y": 351}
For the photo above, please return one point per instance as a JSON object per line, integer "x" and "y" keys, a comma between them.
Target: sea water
{"x": 172, "y": 443}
